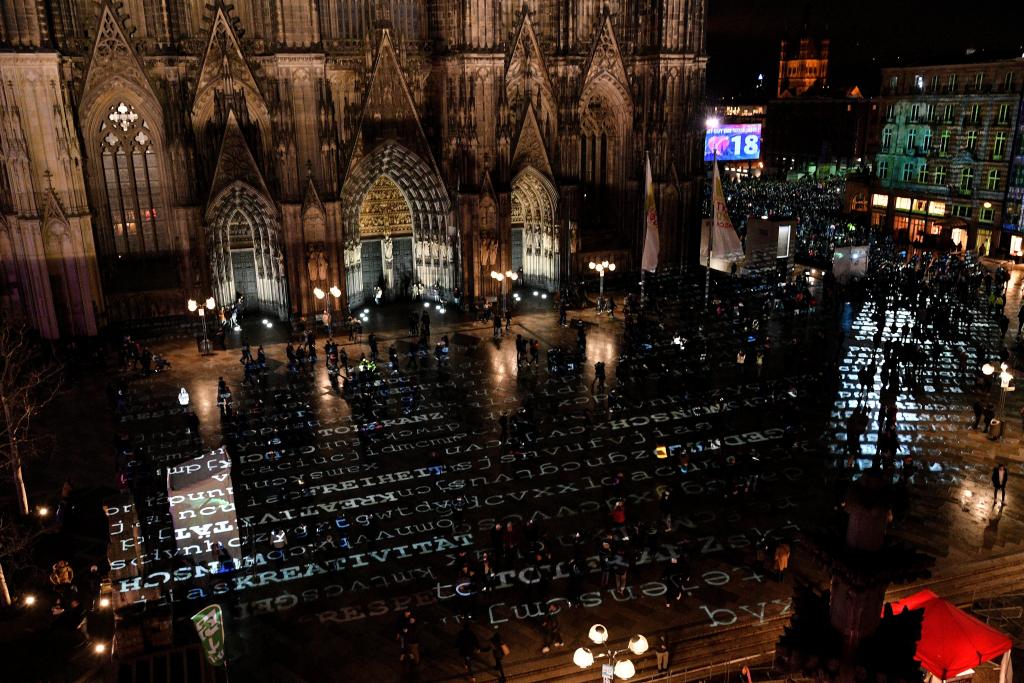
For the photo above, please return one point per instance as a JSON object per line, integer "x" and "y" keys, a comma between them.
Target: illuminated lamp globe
{"x": 987, "y": 369}
{"x": 611, "y": 266}
{"x": 598, "y": 634}
{"x": 210, "y": 303}
{"x": 192, "y": 305}
{"x": 318, "y": 293}
{"x": 513, "y": 276}
{"x": 335, "y": 292}
{"x": 624, "y": 669}
{"x": 712, "y": 122}
{"x": 592, "y": 265}
{"x": 638, "y": 644}
{"x": 582, "y": 657}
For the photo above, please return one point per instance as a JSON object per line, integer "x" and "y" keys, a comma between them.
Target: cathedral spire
{"x": 235, "y": 162}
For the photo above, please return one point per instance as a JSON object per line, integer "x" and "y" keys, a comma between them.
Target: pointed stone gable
{"x": 312, "y": 199}
{"x": 224, "y": 60}
{"x": 235, "y": 162}
{"x": 113, "y": 56}
{"x": 605, "y": 61}
{"x": 53, "y": 208}
{"x": 529, "y": 147}
{"x": 388, "y": 110}
{"x": 487, "y": 187}
{"x": 525, "y": 67}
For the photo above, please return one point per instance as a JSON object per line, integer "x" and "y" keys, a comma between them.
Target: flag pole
{"x": 711, "y": 234}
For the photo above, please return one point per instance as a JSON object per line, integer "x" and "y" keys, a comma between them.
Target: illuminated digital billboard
{"x": 733, "y": 142}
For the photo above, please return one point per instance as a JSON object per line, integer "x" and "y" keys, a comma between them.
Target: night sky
{"x": 744, "y": 35}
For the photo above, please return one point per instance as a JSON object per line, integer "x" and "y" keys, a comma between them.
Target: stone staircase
{"x": 699, "y": 654}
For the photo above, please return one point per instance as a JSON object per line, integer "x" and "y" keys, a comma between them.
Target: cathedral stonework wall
{"x": 228, "y": 149}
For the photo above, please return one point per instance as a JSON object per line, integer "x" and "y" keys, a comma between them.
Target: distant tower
{"x": 803, "y": 66}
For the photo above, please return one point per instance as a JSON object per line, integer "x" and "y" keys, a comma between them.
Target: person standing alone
{"x": 999, "y": 477}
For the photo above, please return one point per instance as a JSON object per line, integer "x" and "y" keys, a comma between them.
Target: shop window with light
{"x": 908, "y": 172}
{"x": 937, "y": 209}
{"x": 901, "y": 223}
{"x": 785, "y": 232}
{"x": 886, "y": 138}
{"x": 986, "y": 214}
{"x": 880, "y": 200}
{"x": 877, "y": 219}
{"x": 998, "y": 145}
{"x": 966, "y": 178}
{"x": 944, "y": 142}
{"x": 916, "y": 229}
{"x": 920, "y": 206}
{"x": 1004, "y": 114}
{"x": 972, "y": 139}
{"x": 903, "y": 203}
{"x": 1016, "y": 242}
{"x": 883, "y": 169}
{"x": 934, "y": 229}
{"x": 959, "y": 236}
{"x": 133, "y": 183}
{"x": 939, "y": 175}
{"x": 992, "y": 180}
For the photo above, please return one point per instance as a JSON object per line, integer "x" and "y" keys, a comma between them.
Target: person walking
{"x": 468, "y": 646}
{"x": 500, "y": 650}
{"x": 661, "y": 654}
{"x": 552, "y": 632}
{"x": 999, "y": 477}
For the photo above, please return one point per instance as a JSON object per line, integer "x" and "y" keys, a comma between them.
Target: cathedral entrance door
{"x": 373, "y": 268}
{"x": 244, "y": 266}
{"x": 517, "y": 248}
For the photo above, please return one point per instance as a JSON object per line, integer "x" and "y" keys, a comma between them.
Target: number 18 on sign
{"x": 209, "y": 623}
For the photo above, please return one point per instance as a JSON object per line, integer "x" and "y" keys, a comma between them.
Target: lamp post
{"x": 500, "y": 278}
{"x": 194, "y": 307}
{"x": 322, "y": 296}
{"x": 1005, "y": 377}
{"x": 624, "y": 669}
{"x": 601, "y": 268}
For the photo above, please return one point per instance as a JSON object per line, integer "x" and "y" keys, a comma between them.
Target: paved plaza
{"x": 354, "y": 509}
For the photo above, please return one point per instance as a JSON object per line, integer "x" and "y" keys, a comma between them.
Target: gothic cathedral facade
{"x": 161, "y": 150}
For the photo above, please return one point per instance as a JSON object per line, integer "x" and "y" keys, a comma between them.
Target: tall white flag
{"x": 724, "y": 243}
{"x": 651, "y": 239}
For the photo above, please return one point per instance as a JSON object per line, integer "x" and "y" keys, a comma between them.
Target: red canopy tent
{"x": 952, "y": 641}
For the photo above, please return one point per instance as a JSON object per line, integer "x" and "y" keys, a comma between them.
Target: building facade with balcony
{"x": 943, "y": 140}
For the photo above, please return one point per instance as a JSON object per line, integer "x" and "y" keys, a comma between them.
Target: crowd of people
{"x": 816, "y": 204}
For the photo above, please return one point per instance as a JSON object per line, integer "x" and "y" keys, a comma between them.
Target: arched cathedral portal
{"x": 535, "y": 245}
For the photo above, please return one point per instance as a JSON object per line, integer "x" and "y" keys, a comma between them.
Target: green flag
{"x": 209, "y": 623}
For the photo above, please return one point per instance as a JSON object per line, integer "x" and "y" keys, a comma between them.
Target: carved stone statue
{"x": 387, "y": 250}
{"x": 321, "y": 264}
{"x": 311, "y": 264}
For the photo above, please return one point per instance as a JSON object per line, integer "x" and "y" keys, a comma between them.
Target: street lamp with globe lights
{"x": 620, "y": 668}
{"x": 321, "y": 295}
{"x": 500, "y": 278}
{"x": 601, "y": 268}
{"x": 195, "y": 307}
{"x": 1005, "y": 377}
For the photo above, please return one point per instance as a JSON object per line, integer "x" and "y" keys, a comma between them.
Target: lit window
{"x": 133, "y": 184}
{"x": 881, "y": 200}
{"x": 966, "y": 178}
{"x": 919, "y": 82}
{"x": 903, "y": 203}
{"x": 937, "y": 209}
{"x": 1015, "y": 246}
{"x": 992, "y": 180}
{"x": 998, "y": 145}
{"x": 901, "y": 223}
{"x": 920, "y": 205}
